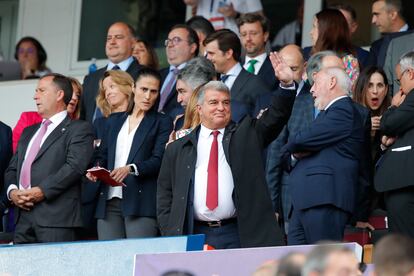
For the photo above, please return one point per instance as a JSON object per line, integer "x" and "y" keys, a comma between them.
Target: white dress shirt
{"x": 260, "y": 60}
{"x": 233, "y": 73}
{"x": 123, "y": 65}
{"x": 123, "y": 147}
{"x": 225, "y": 208}
{"x": 55, "y": 121}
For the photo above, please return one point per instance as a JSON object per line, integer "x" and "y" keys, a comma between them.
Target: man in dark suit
{"x": 215, "y": 184}
{"x": 119, "y": 44}
{"x": 5, "y": 155}
{"x": 325, "y": 160}
{"x": 43, "y": 177}
{"x": 395, "y": 174}
{"x": 387, "y": 17}
{"x": 223, "y": 48}
{"x": 254, "y": 34}
{"x": 180, "y": 46}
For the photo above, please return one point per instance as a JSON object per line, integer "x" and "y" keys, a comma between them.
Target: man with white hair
{"x": 324, "y": 162}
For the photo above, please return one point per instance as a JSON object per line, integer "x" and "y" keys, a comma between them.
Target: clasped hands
{"x": 26, "y": 199}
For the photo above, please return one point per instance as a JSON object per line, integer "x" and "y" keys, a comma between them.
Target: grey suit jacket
{"x": 57, "y": 169}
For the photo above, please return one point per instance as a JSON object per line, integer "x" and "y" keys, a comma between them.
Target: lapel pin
{"x": 63, "y": 130}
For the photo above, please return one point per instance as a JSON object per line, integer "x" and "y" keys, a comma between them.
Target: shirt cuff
{"x": 293, "y": 160}
{"x": 289, "y": 87}
{"x": 135, "y": 169}
{"x": 11, "y": 188}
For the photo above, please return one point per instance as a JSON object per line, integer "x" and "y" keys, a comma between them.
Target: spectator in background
{"x": 330, "y": 31}
{"x": 394, "y": 256}
{"x": 5, "y": 155}
{"x": 203, "y": 28}
{"x": 224, "y": 13}
{"x": 223, "y": 50}
{"x": 32, "y": 117}
{"x": 395, "y": 173}
{"x": 291, "y": 33}
{"x": 145, "y": 54}
{"x": 331, "y": 259}
{"x": 387, "y": 17}
{"x": 132, "y": 149}
{"x": 254, "y": 34}
{"x": 32, "y": 58}
{"x": 351, "y": 18}
{"x": 120, "y": 41}
{"x": 181, "y": 45}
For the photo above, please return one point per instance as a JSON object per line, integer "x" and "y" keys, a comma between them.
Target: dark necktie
{"x": 224, "y": 78}
{"x": 167, "y": 89}
{"x": 25, "y": 174}
{"x": 116, "y": 67}
{"x": 212, "y": 174}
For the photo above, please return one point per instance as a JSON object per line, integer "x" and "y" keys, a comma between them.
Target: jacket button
{"x": 101, "y": 193}
{"x": 182, "y": 198}
{"x": 188, "y": 166}
{"x": 178, "y": 229}
{"x": 139, "y": 191}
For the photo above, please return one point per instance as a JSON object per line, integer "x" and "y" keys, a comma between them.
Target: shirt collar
{"x": 260, "y": 58}
{"x": 235, "y": 70}
{"x": 58, "y": 117}
{"x": 123, "y": 65}
{"x": 179, "y": 67}
{"x": 404, "y": 28}
{"x": 205, "y": 132}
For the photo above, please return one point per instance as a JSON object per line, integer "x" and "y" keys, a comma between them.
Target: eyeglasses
{"x": 174, "y": 41}
{"x": 28, "y": 50}
{"x": 398, "y": 81}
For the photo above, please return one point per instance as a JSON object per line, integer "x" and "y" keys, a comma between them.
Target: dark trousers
{"x": 400, "y": 211}
{"x": 309, "y": 226}
{"x": 224, "y": 237}
{"x": 28, "y": 231}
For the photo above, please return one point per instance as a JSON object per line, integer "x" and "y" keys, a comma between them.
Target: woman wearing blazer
{"x": 133, "y": 150}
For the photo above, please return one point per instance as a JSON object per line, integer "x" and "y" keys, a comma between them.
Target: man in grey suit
{"x": 223, "y": 48}
{"x": 43, "y": 177}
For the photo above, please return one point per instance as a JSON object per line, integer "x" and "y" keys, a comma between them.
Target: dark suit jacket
{"x": 147, "y": 149}
{"x": 56, "y": 170}
{"x": 329, "y": 175}
{"x": 395, "y": 169}
{"x": 267, "y": 74}
{"x": 91, "y": 87}
{"x": 171, "y": 107}
{"x": 247, "y": 88}
{"x": 5, "y": 155}
{"x": 243, "y": 144}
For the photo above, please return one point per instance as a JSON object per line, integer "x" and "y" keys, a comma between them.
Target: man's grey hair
{"x": 198, "y": 71}
{"x": 317, "y": 259}
{"x": 391, "y": 5}
{"x": 342, "y": 78}
{"x": 407, "y": 61}
{"x": 314, "y": 63}
{"x": 212, "y": 85}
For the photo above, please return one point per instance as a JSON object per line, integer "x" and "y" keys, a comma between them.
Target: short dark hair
{"x": 41, "y": 52}
{"x": 226, "y": 40}
{"x": 199, "y": 23}
{"x": 346, "y": 7}
{"x": 62, "y": 83}
{"x": 131, "y": 29}
{"x": 253, "y": 18}
{"x": 192, "y": 35}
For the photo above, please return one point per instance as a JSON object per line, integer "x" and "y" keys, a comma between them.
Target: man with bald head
{"x": 324, "y": 161}
{"x": 120, "y": 40}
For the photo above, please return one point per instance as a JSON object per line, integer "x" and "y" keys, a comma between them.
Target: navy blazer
{"x": 267, "y": 74}
{"x": 329, "y": 175}
{"x": 146, "y": 153}
{"x": 171, "y": 106}
{"x": 5, "y": 155}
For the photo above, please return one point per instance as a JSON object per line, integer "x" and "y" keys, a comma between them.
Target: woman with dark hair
{"x": 371, "y": 91}
{"x": 145, "y": 54}
{"x": 32, "y": 58}
{"x": 132, "y": 150}
{"x": 203, "y": 28}
{"x": 330, "y": 31}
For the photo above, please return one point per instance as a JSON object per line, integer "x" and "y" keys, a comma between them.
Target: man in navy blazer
{"x": 325, "y": 162}
{"x": 254, "y": 34}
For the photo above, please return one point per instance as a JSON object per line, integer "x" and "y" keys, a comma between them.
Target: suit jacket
{"x": 171, "y": 107}
{"x": 243, "y": 144}
{"x": 147, "y": 149}
{"x": 26, "y": 119}
{"x": 329, "y": 175}
{"x": 57, "y": 169}
{"x": 395, "y": 168}
{"x": 91, "y": 87}
{"x": 267, "y": 74}
{"x": 5, "y": 155}
{"x": 396, "y": 48}
{"x": 247, "y": 88}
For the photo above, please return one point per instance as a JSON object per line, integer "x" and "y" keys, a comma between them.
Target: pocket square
{"x": 401, "y": 148}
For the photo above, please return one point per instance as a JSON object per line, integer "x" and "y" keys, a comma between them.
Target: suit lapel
{"x": 144, "y": 127}
{"x": 56, "y": 133}
{"x": 239, "y": 82}
{"x": 24, "y": 142}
